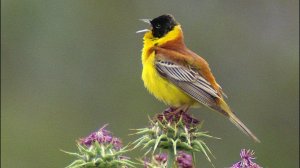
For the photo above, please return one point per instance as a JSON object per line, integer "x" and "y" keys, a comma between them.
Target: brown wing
{"x": 189, "y": 80}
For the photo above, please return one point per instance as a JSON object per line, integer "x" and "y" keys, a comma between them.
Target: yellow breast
{"x": 161, "y": 88}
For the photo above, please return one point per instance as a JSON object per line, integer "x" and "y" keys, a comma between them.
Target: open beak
{"x": 144, "y": 30}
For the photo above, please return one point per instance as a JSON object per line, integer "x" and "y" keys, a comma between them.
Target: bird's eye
{"x": 158, "y": 26}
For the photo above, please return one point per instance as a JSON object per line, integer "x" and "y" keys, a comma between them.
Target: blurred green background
{"x": 69, "y": 67}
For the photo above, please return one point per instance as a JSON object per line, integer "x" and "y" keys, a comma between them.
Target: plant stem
{"x": 171, "y": 158}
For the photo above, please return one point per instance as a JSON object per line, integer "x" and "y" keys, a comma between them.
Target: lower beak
{"x": 144, "y": 30}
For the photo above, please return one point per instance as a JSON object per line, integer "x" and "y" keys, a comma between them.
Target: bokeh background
{"x": 69, "y": 67}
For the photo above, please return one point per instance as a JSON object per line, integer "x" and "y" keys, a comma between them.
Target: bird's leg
{"x": 179, "y": 109}
{"x": 185, "y": 108}
{"x": 182, "y": 109}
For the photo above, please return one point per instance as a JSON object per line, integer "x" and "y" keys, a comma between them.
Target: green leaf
{"x": 72, "y": 153}
{"x": 151, "y": 142}
{"x": 157, "y": 141}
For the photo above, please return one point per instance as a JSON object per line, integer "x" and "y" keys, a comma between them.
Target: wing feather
{"x": 189, "y": 80}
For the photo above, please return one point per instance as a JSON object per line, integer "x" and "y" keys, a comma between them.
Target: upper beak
{"x": 144, "y": 30}
{"x": 146, "y": 21}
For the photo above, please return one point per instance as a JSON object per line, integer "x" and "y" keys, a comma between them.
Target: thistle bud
{"x": 100, "y": 150}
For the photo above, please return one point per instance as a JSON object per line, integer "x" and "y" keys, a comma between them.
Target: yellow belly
{"x": 162, "y": 89}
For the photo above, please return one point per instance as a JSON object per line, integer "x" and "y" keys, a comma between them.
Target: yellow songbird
{"x": 176, "y": 75}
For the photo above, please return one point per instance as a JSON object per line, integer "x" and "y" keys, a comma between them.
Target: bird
{"x": 176, "y": 75}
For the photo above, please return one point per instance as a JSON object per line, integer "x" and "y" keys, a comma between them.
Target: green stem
{"x": 171, "y": 158}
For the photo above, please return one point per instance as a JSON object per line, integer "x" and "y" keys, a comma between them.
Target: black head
{"x": 162, "y": 25}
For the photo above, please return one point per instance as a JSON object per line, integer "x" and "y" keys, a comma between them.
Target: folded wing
{"x": 189, "y": 80}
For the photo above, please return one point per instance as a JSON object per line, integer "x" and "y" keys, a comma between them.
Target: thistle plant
{"x": 100, "y": 150}
{"x": 171, "y": 141}
{"x": 175, "y": 133}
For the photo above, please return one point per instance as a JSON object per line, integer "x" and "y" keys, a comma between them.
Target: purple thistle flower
{"x": 161, "y": 158}
{"x": 116, "y": 143}
{"x": 171, "y": 117}
{"x": 157, "y": 160}
{"x": 246, "y": 162}
{"x": 102, "y": 136}
{"x": 184, "y": 160}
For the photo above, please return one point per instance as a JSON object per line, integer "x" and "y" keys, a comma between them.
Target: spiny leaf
{"x": 148, "y": 151}
{"x": 76, "y": 163}
{"x": 203, "y": 150}
{"x": 157, "y": 141}
{"x": 82, "y": 149}
{"x": 144, "y": 131}
{"x": 151, "y": 142}
{"x": 204, "y": 144}
{"x": 184, "y": 145}
{"x": 174, "y": 146}
{"x": 72, "y": 153}
{"x": 141, "y": 140}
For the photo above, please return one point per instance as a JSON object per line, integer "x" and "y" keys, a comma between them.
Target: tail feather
{"x": 225, "y": 109}
{"x": 242, "y": 127}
